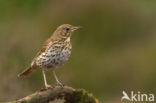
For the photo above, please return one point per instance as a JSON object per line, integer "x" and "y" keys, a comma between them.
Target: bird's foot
{"x": 48, "y": 86}
{"x": 60, "y": 84}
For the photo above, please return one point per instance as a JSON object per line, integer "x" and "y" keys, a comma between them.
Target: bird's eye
{"x": 67, "y": 29}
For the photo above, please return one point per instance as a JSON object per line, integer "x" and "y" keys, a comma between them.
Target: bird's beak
{"x": 76, "y": 28}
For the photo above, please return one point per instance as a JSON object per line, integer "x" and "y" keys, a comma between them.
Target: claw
{"x": 48, "y": 86}
{"x": 60, "y": 84}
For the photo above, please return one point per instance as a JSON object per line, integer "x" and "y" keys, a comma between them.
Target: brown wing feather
{"x": 45, "y": 46}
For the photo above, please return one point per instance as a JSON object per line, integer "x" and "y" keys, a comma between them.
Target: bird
{"x": 54, "y": 53}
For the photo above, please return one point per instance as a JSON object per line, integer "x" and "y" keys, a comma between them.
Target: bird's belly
{"x": 51, "y": 60}
{"x": 64, "y": 56}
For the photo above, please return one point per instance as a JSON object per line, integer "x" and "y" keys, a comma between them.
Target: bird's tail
{"x": 27, "y": 71}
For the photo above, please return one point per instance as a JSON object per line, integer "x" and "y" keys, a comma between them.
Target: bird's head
{"x": 65, "y": 31}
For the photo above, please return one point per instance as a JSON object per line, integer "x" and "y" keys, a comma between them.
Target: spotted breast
{"x": 56, "y": 55}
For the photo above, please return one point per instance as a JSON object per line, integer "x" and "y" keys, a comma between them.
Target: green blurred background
{"x": 115, "y": 50}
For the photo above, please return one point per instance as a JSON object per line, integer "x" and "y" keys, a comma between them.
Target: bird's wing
{"x": 49, "y": 46}
{"x": 44, "y": 47}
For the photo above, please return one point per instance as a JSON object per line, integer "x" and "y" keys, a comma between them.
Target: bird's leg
{"x": 57, "y": 81}
{"x": 45, "y": 80}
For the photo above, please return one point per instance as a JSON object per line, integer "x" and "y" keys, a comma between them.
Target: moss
{"x": 68, "y": 94}
{"x": 81, "y": 96}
